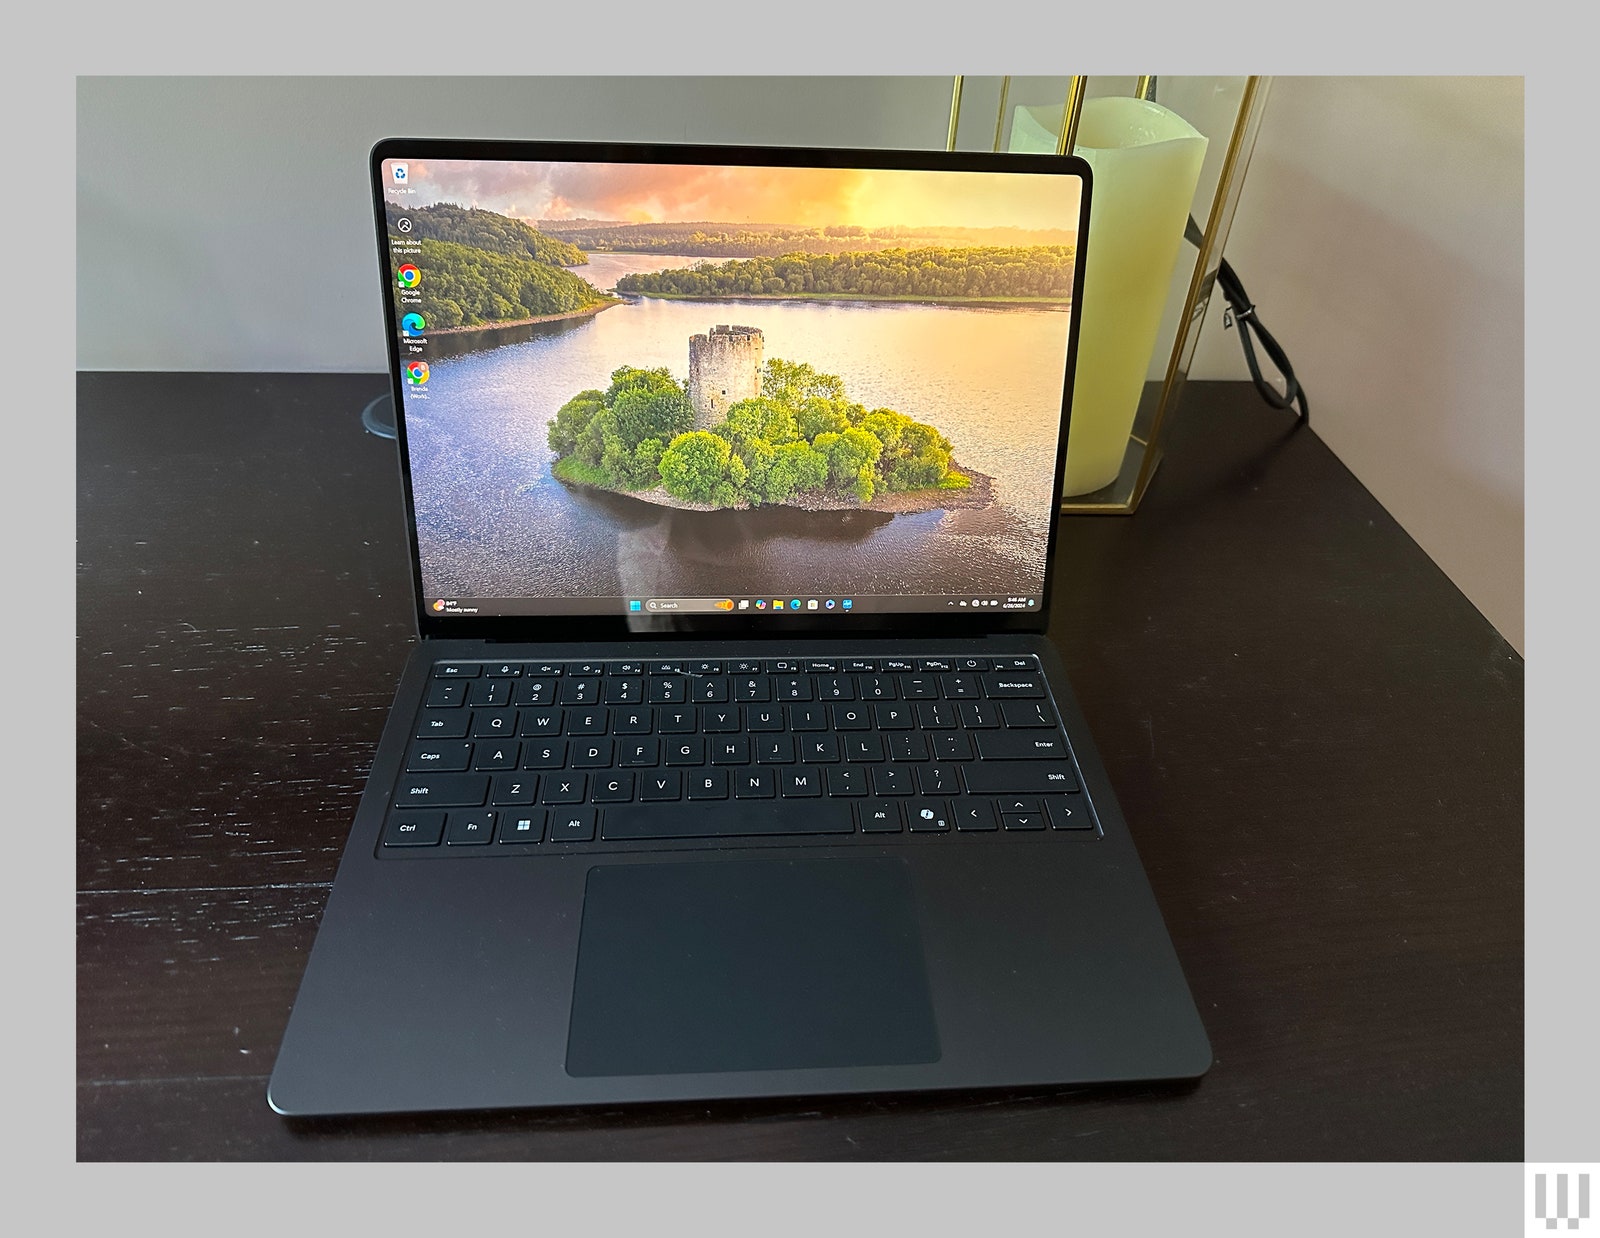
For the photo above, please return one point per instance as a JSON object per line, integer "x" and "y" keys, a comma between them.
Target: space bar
{"x": 728, "y": 819}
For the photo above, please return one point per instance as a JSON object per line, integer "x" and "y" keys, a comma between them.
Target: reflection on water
{"x": 493, "y": 522}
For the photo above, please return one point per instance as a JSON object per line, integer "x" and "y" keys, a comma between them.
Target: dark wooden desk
{"x": 1316, "y": 739}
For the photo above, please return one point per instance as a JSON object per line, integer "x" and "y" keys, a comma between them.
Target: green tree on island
{"x": 802, "y": 436}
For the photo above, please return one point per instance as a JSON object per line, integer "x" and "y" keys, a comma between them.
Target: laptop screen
{"x": 654, "y": 389}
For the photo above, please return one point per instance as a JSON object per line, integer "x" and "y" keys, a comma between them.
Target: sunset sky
{"x": 646, "y": 193}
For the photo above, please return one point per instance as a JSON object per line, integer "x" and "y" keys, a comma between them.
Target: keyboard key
{"x": 907, "y": 746}
{"x": 549, "y": 754}
{"x": 586, "y": 721}
{"x": 457, "y": 670}
{"x": 975, "y": 815}
{"x": 443, "y": 723}
{"x": 639, "y": 752}
{"x": 572, "y": 825}
{"x": 1022, "y": 820}
{"x": 613, "y": 788}
{"x": 469, "y": 827}
{"x": 978, "y": 715}
{"x": 541, "y": 691}
{"x": 439, "y": 756}
{"x": 1008, "y": 685}
{"x": 879, "y": 816}
{"x": 514, "y": 789}
{"x": 565, "y": 788}
{"x": 631, "y": 721}
{"x": 491, "y": 693}
{"x": 1069, "y": 812}
{"x": 496, "y": 754}
{"x": 754, "y": 784}
{"x": 414, "y": 829}
{"x": 542, "y": 722}
{"x": 441, "y": 790}
{"x": 1025, "y": 777}
{"x": 446, "y": 693}
{"x": 802, "y": 782}
{"x": 928, "y": 816}
{"x": 734, "y": 750}
{"x": 708, "y": 784}
{"x": 580, "y": 692}
{"x": 522, "y": 826}
{"x": 593, "y": 754}
{"x": 952, "y": 746}
{"x": 661, "y": 784}
{"x": 937, "y": 780}
{"x": 691, "y": 751}
{"x": 731, "y": 819}
{"x": 1026, "y": 746}
{"x": 851, "y": 718}
{"x": 847, "y": 780}
{"x": 1027, "y": 713}
{"x": 493, "y": 723}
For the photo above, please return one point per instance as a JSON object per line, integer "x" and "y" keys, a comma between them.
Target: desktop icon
{"x": 744, "y": 603}
{"x": 847, "y": 603}
{"x": 761, "y": 603}
{"x": 413, "y": 325}
{"x": 407, "y": 276}
{"x": 812, "y": 604}
{"x": 399, "y": 173}
{"x": 416, "y": 372}
{"x": 830, "y": 604}
{"x": 794, "y": 603}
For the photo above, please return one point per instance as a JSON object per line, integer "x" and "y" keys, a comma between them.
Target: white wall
{"x": 223, "y": 225}
{"x": 1381, "y": 235}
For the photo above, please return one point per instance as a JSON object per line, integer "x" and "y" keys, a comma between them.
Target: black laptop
{"x": 732, "y": 760}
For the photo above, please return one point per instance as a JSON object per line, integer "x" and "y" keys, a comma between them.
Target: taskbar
{"x": 746, "y": 606}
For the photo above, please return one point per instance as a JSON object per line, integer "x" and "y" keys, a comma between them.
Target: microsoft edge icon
{"x": 795, "y": 604}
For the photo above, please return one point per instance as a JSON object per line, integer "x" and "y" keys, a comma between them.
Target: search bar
{"x": 688, "y": 606}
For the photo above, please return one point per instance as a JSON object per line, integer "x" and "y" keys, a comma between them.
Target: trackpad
{"x": 749, "y": 965}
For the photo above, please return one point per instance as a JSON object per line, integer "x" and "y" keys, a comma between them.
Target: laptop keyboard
{"x": 513, "y": 757}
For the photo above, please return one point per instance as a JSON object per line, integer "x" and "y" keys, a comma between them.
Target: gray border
{"x": 1250, "y": 1199}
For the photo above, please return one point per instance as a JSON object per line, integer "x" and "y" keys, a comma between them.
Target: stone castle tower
{"x": 724, "y": 368}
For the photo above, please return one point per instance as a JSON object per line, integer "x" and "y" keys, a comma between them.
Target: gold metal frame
{"x": 1153, "y": 416}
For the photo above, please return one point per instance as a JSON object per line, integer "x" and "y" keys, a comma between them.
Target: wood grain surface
{"x": 1316, "y": 739}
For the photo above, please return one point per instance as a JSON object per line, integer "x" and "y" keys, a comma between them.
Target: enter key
{"x": 1023, "y": 746}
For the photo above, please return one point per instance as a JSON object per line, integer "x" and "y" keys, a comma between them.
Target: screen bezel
{"x": 743, "y": 626}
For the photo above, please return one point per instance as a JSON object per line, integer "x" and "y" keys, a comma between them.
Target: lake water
{"x": 493, "y": 522}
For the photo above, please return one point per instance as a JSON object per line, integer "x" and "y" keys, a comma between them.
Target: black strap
{"x": 1240, "y": 310}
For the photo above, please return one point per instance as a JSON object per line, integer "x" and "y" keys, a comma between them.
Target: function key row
{"x": 746, "y": 688}
{"x": 741, "y": 666}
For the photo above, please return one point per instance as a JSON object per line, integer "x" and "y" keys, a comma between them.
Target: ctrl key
{"x": 418, "y": 828}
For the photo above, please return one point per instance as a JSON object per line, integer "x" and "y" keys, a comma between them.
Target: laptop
{"x": 732, "y": 759}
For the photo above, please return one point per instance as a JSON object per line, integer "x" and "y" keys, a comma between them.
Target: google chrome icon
{"x": 413, "y": 325}
{"x": 408, "y": 276}
{"x": 417, "y": 372}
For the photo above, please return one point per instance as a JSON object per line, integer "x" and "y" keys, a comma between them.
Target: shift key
{"x": 441, "y": 790}
{"x": 1023, "y": 777}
